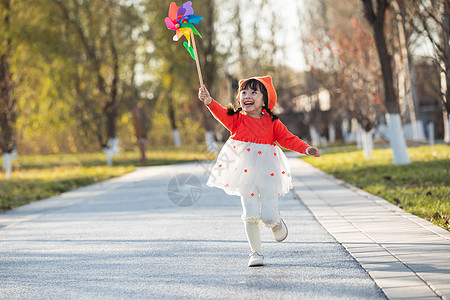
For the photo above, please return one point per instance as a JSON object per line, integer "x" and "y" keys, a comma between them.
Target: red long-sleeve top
{"x": 262, "y": 131}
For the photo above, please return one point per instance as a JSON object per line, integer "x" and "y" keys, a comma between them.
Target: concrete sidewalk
{"x": 408, "y": 257}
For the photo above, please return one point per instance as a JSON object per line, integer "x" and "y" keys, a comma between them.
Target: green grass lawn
{"x": 155, "y": 156}
{"x": 41, "y": 176}
{"x": 421, "y": 188}
{"x": 36, "y": 184}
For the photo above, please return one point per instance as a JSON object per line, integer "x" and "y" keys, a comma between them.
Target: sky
{"x": 290, "y": 33}
{"x": 287, "y": 35}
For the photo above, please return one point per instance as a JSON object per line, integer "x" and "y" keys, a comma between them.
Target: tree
{"x": 95, "y": 46}
{"x": 209, "y": 58}
{"x": 318, "y": 63}
{"x": 433, "y": 21}
{"x": 141, "y": 100}
{"x": 340, "y": 54}
{"x": 179, "y": 84}
{"x": 41, "y": 118}
{"x": 357, "y": 92}
{"x": 376, "y": 18}
{"x": 105, "y": 32}
{"x": 8, "y": 102}
{"x": 171, "y": 66}
{"x": 403, "y": 40}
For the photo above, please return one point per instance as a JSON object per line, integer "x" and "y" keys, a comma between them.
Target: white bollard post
{"x": 176, "y": 138}
{"x": 397, "y": 140}
{"x": 7, "y": 164}
{"x": 211, "y": 143}
{"x": 431, "y": 133}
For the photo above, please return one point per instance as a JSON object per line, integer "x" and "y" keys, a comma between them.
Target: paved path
{"x": 124, "y": 238}
{"x": 408, "y": 257}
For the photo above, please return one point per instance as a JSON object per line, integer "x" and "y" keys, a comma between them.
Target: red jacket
{"x": 263, "y": 130}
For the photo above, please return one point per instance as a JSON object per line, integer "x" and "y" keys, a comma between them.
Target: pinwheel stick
{"x": 197, "y": 62}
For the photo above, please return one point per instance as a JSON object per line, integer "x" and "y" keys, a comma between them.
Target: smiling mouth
{"x": 248, "y": 103}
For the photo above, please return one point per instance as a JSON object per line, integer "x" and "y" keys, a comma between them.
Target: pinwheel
{"x": 181, "y": 19}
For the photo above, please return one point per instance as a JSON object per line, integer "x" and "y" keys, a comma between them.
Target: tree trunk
{"x": 176, "y": 137}
{"x": 109, "y": 155}
{"x": 8, "y": 103}
{"x": 173, "y": 124}
{"x": 445, "y": 65}
{"x": 139, "y": 130}
{"x": 404, "y": 76}
{"x": 431, "y": 133}
{"x": 445, "y": 94}
{"x": 111, "y": 106}
{"x": 7, "y": 164}
{"x": 345, "y": 131}
{"x": 111, "y": 149}
{"x": 415, "y": 99}
{"x": 210, "y": 74}
{"x": 211, "y": 143}
{"x": 356, "y": 129}
{"x": 397, "y": 139}
{"x": 446, "y": 117}
{"x": 367, "y": 142}
{"x": 332, "y": 133}
{"x": 315, "y": 137}
{"x": 386, "y": 69}
{"x": 141, "y": 144}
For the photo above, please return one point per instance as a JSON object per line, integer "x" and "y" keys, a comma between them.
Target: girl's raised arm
{"x": 218, "y": 111}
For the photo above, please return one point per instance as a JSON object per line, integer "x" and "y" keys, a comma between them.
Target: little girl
{"x": 250, "y": 164}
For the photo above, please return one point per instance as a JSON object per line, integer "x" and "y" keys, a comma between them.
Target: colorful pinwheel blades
{"x": 181, "y": 19}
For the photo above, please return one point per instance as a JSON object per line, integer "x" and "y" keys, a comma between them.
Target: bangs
{"x": 253, "y": 84}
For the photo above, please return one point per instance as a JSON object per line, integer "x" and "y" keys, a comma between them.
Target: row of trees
{"x": 76, "y": 74}
{"x": 71, "y": 71}
{"x": 359, "y": 43}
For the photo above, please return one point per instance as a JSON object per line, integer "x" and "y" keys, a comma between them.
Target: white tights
{"x": 255, "y": 209}
{"x": 253, "y": 235}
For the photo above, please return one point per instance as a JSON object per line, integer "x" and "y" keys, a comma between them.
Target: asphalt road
{"x": 157, "y": 234}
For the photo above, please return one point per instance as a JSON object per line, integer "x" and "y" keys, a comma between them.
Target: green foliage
{"x": 60, "y": 99}
{"x": 421, "y": 188}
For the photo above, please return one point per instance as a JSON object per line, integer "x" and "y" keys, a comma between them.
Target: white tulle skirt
{"x": 250, "y": 169}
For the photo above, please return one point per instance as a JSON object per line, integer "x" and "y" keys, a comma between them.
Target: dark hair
{"x": 255, "y": 85}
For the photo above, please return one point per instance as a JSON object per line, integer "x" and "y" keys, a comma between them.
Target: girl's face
{"x": 251, "y": 101}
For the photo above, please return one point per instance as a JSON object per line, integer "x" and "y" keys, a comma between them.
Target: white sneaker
{"x": 281, "y": 233}
{"x": 256, "y": 259}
